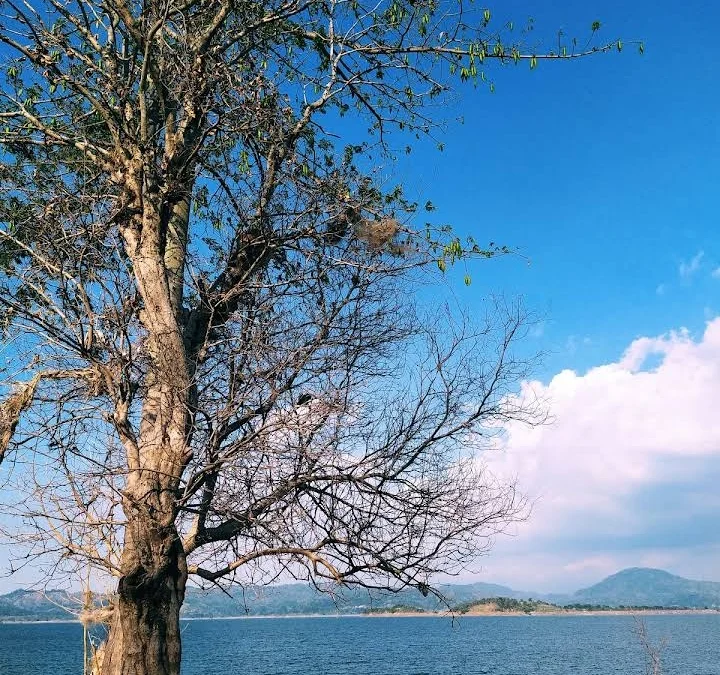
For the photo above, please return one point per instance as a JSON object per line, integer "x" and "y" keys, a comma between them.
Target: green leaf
{"x": 619, "y": 45}
{"x": 533, "y": 62}
{"x": 641, "y": 48}
{"x": 595, "y": 26}
{"x": 467, "y": 280}
{"x": 441, "y": 265}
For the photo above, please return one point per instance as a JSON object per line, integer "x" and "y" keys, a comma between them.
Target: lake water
{"x": 510, "y": 645}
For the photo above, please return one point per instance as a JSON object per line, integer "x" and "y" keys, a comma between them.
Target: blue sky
{"x": 604, "y": 174}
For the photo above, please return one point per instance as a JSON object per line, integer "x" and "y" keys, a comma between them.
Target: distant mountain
{"x": 303, "y": 599}
{"x": 23, "y": 605}
{"x": 651, "y": 587}
{"x": 630, "y": 587}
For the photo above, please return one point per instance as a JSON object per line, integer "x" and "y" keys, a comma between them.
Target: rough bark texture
{"x": 144, "y": 636}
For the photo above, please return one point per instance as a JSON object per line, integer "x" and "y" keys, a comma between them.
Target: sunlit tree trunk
{"x": 144, "y": 637}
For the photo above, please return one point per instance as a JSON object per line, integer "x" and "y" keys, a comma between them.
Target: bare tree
{"x": 653, "y": 652}
{"x": 216, "y": 367}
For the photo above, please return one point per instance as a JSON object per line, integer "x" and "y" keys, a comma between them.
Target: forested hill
{"x": 630, "y": 587}
{"x": 302, "y": 599}
{"x": 643, "y": 586}
{"x": 23, "y": 605}
{"x": 31, "y": 605}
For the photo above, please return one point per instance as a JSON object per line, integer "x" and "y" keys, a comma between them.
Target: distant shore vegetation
{"x": 503, "y": 605}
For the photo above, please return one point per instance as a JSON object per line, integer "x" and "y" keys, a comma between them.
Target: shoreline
{"x": 559, "y": 612}
{"x": 27, "y": 622}
{"x": 385, "y": 615}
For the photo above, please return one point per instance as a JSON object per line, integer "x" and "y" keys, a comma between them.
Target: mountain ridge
{"x": 635, "y": 586}
{"x": 650, "y": 586}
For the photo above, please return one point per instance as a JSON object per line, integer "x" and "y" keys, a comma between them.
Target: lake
{"x": 509, "y": 645}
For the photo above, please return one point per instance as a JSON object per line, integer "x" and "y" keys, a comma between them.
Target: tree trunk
{"x": 144, "y": 637}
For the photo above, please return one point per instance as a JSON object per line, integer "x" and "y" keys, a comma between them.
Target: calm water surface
{"x": 398, "y": 646}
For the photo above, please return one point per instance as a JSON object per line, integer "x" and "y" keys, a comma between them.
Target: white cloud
{"x": 625, "y": 436}
{"x": 688, "y": 268}
{"x": 563, "y": 573}
{"x": 715, "y": 274}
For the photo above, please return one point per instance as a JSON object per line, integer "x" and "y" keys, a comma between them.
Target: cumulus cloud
{"x": 621, "y": 474}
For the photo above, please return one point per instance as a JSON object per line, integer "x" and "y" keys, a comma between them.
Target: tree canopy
{"x": 216, "y": 368}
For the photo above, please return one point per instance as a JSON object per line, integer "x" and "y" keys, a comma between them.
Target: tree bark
{"x": 144, "y": 637}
